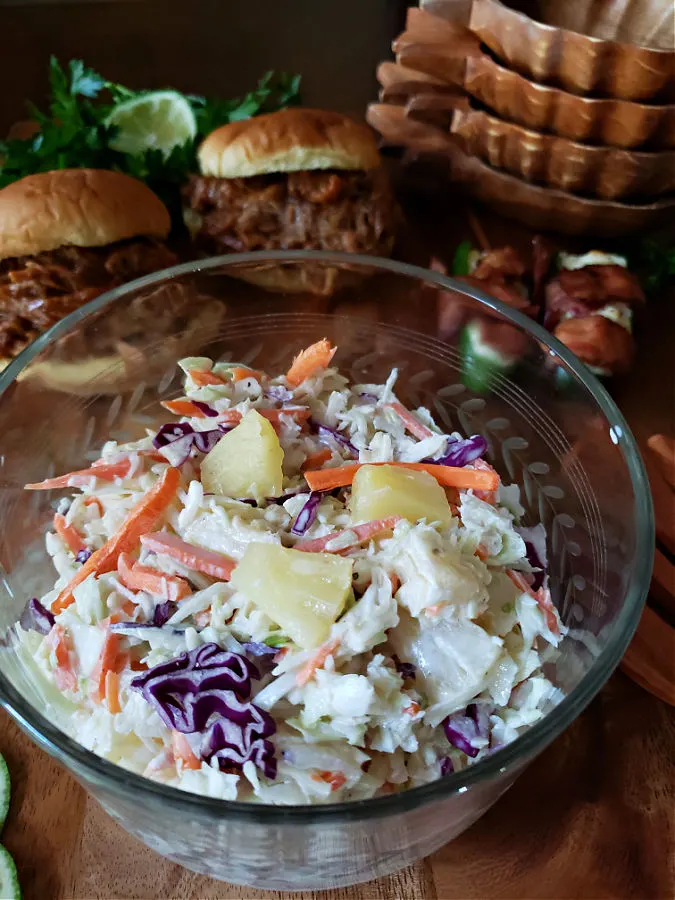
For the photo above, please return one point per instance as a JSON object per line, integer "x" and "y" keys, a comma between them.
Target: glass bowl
{"x": 551, "y": 427}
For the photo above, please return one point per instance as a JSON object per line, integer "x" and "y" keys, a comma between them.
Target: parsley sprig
{"x": 73, "y": 133}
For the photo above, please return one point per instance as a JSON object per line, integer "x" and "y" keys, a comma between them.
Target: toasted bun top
{"x": 77, "y": 207}
{"x": 291, "y": 140}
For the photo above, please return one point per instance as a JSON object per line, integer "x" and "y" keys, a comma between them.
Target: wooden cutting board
{"x": 593, "y": 817}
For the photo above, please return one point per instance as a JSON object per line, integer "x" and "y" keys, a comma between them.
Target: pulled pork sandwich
{"x": 299, "y": 179}
{"x": 66, "y": 237}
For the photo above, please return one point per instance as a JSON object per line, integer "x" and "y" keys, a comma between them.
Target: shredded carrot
{"x": 202, "y": 377}
{"x": 481, "y": 552}
{"x": 207, "y": 561}
{"x": 128, "y": 608}
{"x": 203, "y": 618}
{"x": 395, "y": 582}
{"x": 299, "y": 413}
{"x": 112, "y": 691}
{"x": 70, "y": 536}
{"x": 450, "y": 476}
{"x": 412, "y": 709}
{"x": 487, "y": 494}
{"x": 309, "y": 361}
{"x": 64, "y": 674}
{"x": 314, "y": 460}
{"x": 136, "y": 665}
{"x": 542, "y": 596}
{"x": 154, "y": 455}
{"x": 434, "y": 609}
{"x": 104, "y": 471}
{"x": 413, "y": 424}
{"x": 335, "y": 779}
{"x": 107, "y": 662}
{"x": 307, "y": 672}
{"x": 141, "y": 519}
{"x": 184, "y": 407}
{"x": 144, "y": 578}
{"x": 94, "y": 501}
{"x": 239, "y": 373}
{"x": 362, "y": 533}
{"x": 182, "y": 751}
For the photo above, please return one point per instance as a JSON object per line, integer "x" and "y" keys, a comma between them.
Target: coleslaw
{"x": 296, "y": 591}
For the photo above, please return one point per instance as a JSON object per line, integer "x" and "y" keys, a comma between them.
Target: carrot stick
{"x": 314, "y": 460}
{"x": 309, "y": 361}
{"x": 214, "y": 564}
{"x": 142, "y": 517}
{"x": 144, "y": 578}
{"x": 335, "y": 779}
{"x": 413, "y": 424}
{"x": 107, "y": 662}
{"x": 202, "y": 377}
{"x": 104, "y": 471}
{"x": 448, "y": 476}
{"x": 542, "y": 596}
{"x": 239, "y": 373}
{"x": 361, "y": 533}
{"x": 299, "y": 413}
{"x": 182, "y": 751}
{"x": 305, "y": 674}
{"x": 112, "y": 691}
{"x": 70, "y": 536}
{"x": 94, "y": 501}
{"x": 64, "y": 676}
{"x": 489, "y": 495}
{"x": 184, "y": 407}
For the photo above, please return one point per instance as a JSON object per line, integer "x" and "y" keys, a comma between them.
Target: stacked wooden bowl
{"x": 564, "y": 119}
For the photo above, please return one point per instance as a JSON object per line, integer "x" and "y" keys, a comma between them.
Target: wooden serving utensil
{"x": 650, "y": 658}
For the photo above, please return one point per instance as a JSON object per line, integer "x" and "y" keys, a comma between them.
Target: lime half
{"x": 160, "y": 120}
{"x": 9, "y": 880}
{"x": 4, "y": 792}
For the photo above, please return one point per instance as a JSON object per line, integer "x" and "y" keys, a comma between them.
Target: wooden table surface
{"x": 594, "y": 816}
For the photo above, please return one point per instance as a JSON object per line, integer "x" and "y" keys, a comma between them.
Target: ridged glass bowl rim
{"x": 116, "y": 779}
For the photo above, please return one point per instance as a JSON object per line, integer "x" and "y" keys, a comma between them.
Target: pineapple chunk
{"x": 382, "y": 491}
{"x": 303, "y": 593}
{"x": 246, "y": 462}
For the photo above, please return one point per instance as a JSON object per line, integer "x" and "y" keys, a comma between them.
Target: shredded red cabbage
{"x": 206, "y": 691}
{"x": 308, "y": 513}
{"x": 42, "y": 618}
{"x": 278, "y": 393}
{"x": 535, "y": 551}
{"x": 461, "y": 452}
{"x": 205, "y": 408}
{"x": 256, "y": 648}
{"x": 371, "y": 397}
{"x": 162, "y": 613}
{"x": 177, "y": 439}
{"x": 83, "y": 556}
{"x": 238, "y": 736}
{"x": 447, "y": 767}
{"x": 325, "y": 431}
{"x": 404, "y": 669}
{"x": 467, "y": 731}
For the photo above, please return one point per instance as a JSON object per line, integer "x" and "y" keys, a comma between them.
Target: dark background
{"x": 216, "y": 47}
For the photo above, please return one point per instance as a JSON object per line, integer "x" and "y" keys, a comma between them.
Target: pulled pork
{"x": 353, "y": 212}
{"x": 38, "y": 291}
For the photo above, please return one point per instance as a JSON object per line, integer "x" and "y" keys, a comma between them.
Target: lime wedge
{"x": 9, "y": 880}
{"x": 160, "y": 120}
{"x": 4, "y": 792}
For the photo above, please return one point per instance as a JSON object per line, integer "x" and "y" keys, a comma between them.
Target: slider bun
{"x": 77, "y": 207}
{"x": 292, "y": 140}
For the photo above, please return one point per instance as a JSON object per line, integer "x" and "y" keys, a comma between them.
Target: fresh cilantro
{"x": 73, "y": 133}
{"x": 653, "y": 262}
{"x": 276, "y": 640}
